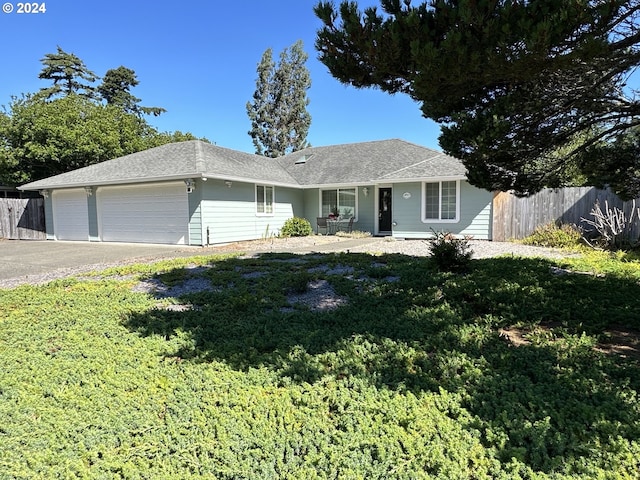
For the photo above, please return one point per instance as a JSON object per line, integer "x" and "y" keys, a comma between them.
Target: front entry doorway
{"x": 384, "y": 210}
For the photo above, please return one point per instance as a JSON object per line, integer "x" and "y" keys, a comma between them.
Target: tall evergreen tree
{"x": 278, "y": 112}
{"x": 511, "y": 82}
{"x": 115, "y": 90}
{"x": 69, "y": 75}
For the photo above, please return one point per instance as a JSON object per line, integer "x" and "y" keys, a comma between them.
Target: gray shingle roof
{"x": 226, "y": 163}
{"x": 369, "y": 162}
{"x": 172, "y": 161}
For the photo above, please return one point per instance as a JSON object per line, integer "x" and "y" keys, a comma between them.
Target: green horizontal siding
{"x": 221, "y": 214}
{"x": 475, "y": 213}
{"x": 229, "y": 214}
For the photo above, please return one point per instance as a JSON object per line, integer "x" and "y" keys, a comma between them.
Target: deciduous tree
{"x": 511, "y": 82}
{"x": 278, "y": 112}
{"x": 50, "y": 137}
{"x": 43, "y": 138}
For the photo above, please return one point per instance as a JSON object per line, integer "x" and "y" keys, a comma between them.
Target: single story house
{"x": 196, "y": 193}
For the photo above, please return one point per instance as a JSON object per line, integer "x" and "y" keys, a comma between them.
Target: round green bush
{"x": 296, "y": 227}
{"x": 554, "y": 236}
{"x": 450, "y": 253}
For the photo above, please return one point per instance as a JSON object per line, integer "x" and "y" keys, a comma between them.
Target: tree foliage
{"x": 115, "y": 90}
{"x": 278, "y": 112}
{"x": 511, "y": 82}
{"x": 69, "y": 75}
{"x": 44, "y": 138}
{"x": 47, "y": 138}
{"x": 616, "y": 163}
{"x": 72, "y": 124}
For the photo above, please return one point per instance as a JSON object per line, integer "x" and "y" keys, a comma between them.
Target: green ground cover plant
{"x": 555, "y": 236}
{"x": 411, "y": 376}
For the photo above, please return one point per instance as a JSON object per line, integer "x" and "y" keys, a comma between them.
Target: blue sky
{"x": 198, "y": 60}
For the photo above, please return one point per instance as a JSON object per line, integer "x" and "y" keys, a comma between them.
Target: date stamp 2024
{"x": 24, "y": 8}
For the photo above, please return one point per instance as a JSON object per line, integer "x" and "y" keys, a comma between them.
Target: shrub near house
{"x": 296, "y": 227}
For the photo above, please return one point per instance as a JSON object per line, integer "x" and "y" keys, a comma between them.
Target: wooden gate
{"x": 22, "y": 219}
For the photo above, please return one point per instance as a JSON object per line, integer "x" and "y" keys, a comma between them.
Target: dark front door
{"x": 384, "y": 210}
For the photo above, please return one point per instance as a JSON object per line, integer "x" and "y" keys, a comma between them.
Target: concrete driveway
{"x": 22, "y": 258}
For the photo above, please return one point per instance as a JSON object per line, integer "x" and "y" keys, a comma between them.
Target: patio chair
{"x": 321, "y": 222}
{"x": 349, "y": 226}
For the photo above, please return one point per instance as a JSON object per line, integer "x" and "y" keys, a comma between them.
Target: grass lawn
{"x": 340, "y": 366}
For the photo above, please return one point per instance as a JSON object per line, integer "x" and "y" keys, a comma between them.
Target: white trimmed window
{"x": 441, "y": 201}
{"x": 341, "y": 201}
{"x": 264, "y": 199}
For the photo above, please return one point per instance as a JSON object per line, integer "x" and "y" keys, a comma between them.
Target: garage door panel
{"x": 70, "y": 214}
{"x": 148, "y": 214}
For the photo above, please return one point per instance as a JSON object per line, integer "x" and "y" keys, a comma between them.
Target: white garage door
{"x": 70, "y": 214}
{"x": 157, "y": 213}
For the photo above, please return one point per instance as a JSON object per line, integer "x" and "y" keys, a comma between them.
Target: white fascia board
{"x": 445, "y": 178}
{"x": 337, "y": 185}
{"x": 385, "y": 181}
{"x": 232, "y": 178}
{"x": 97, "y": 183}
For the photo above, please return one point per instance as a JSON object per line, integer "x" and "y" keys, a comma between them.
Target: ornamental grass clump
{"x": 353, "y": 234}
{"x": 611, "y": 228}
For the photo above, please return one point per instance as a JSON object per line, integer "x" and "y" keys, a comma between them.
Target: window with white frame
{"x": 441, "y": 201}
{"x": 339, "y": 201}
{"x": 264, "y": 199}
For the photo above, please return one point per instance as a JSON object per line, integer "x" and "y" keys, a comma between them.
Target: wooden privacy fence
{"x": 22, "y": 218}
{"x": 515, "y": 218}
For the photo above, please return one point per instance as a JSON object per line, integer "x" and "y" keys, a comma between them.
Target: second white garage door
{"x": 70, "y": 214}
{"x": 157, "y": 213}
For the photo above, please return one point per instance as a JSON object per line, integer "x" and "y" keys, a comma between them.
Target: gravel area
{"x": 377, "y": 245}
{"x": 480, "y": 248}
{"x": 322, "y": 244}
